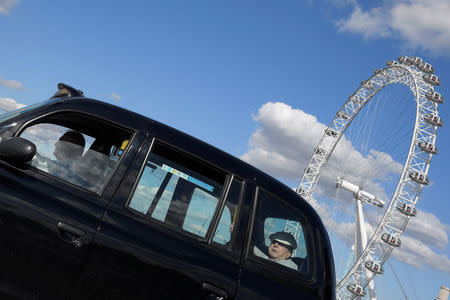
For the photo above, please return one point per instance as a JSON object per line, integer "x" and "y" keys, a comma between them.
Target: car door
{"x": 172, "y": 229}
{"x": 49, "y": 215}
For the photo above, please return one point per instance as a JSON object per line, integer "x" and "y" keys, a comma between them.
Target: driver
{"x": 68, "y": 152}
{"x": 69, "y": 147}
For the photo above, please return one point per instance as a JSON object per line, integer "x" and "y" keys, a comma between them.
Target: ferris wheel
{"x": 371, "y": 255}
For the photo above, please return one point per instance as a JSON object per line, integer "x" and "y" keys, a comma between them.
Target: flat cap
{"x": 284, "y": 238}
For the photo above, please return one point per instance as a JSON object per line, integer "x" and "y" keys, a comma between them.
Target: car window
{"x": 200, "y": 212}
{"x": 77, "y": 149}
{"x": 227, "y": 223}
{"x": 278, "y": 234}
{"x": 178, "y": 191}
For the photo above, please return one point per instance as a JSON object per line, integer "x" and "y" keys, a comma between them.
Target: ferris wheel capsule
{"x": 406, "y": 209}
{"x": 432, "y": 79}
{"x": 426, "y": 68}
{"x": 391, "y": 63}
{"x": 368, "y": 84}
{"x": 391, "y": 240}
{"x": 343, "y": 115}
{"x": 419, "y": 177}
{"x": 374, "y": 266}
{"x": 428, "y": 147}
{"x": 355, "y": 99}
{"x": 433, "y": 119}
{"x": 331, "y": 132}
{"x": 434, "y": 96}
{"x": 405, "y": 60}
{"x": 302, "y": 192}
{"x": 416, "y": 61}
{"x": 321, "y": 151}
{"x": 356, "y": 289}
{"x": 377, "y": 71}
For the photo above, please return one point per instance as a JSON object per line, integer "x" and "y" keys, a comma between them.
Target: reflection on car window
{"x": 227, "y": 223}
{"x": 278, "y": 234}
{"x": 162, "y": 206}
{"x": 83, "y": 153}
{"x": 200, "y": 212}
{"x": 178, "y": 190}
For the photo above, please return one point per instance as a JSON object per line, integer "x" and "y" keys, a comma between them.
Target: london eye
{"x": 370, "y": 254}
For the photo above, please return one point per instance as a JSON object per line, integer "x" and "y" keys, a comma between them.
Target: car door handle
{"x": 71, "y": 235}
{"x": 217, "y": 293}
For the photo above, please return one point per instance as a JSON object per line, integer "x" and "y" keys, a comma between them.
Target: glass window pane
{"x": 162, "y": 207}
{"x": 82, "y": 157}
{"x": 227, "y": 223}
{"x": 152, "y": 178}
{"x": 278, "y": 235}
{"x": 224, "y": 229}
{"x": 178, "y": 190}
{"x": 200, "y": 212}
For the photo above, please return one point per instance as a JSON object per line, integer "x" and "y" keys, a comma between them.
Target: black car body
{"x": 147, "y": 212}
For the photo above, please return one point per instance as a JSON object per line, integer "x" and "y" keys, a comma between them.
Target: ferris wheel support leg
{"x": 359, "y": 220}
{"x": 372, "y": 290}
{"x": 359, "y": 226}
{"x": 361, "y": 242}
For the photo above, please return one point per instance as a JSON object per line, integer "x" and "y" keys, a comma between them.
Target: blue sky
{"x": 240, "y": 75}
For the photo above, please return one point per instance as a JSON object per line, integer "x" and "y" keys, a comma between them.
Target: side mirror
{"x": 17, "y": 150}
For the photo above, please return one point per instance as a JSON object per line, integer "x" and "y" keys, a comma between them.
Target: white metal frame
{"x": 407, "y": 191}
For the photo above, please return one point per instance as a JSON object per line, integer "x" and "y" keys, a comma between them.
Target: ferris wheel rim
{"x": 415, "y": 81}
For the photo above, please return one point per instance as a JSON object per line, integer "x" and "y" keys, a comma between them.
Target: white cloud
{"x": 115, "y": 96}
{"x": 424, "y": 23}
{"x": 417, "y": 253}
{"x": 9, "y": 104}
{"x": 12, "y": 84}
{"x": 370, "y": 24}
{"x": 422, "y": 234}
{"x": 285, "y": 140}
{"x": 6, "y": 5}
{"x": 421, "y": 23}
{"x": 429, "y": 229}
{"x": 282, "y": 146}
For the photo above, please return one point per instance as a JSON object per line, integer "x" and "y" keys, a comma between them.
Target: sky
{"x": 258, "y": 79}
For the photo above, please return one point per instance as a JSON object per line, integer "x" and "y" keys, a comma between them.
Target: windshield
{"x": 9, "y": 115}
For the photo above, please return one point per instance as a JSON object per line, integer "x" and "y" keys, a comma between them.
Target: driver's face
{"x": 278, "y": 251}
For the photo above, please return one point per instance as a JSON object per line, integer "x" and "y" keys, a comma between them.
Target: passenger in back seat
{"x": 280, "y": 250}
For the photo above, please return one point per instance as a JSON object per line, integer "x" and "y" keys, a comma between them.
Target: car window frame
{"x": 283, "y": 274}
{"x": 218, "y": 216}
{"x": 34, "y": 120}
{"x": 175, "y": 231}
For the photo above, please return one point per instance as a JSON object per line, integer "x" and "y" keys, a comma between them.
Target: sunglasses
{"x": 281, "y": 244}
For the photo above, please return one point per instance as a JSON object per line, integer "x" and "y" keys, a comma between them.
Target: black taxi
{"x": 98, "y": 202}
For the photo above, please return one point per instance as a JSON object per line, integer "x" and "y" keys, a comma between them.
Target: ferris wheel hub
{"x": 359, "y": 193}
